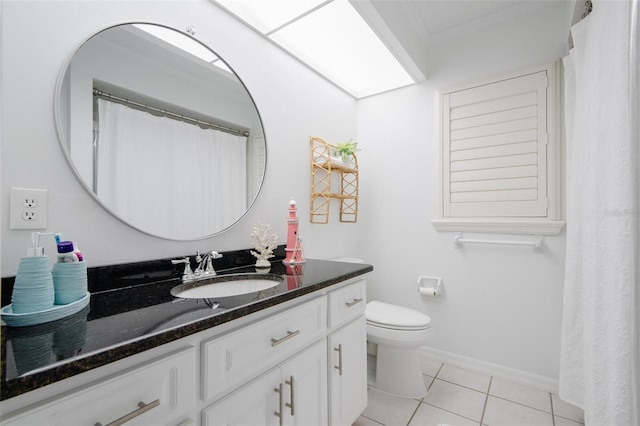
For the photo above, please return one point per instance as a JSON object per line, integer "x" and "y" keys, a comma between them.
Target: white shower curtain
{"x": 600, "y": 356}
{"x": 169, "y": 178}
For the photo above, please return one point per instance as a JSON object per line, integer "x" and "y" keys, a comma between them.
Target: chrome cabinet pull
{"x": 354, "y": 302}
{"x": 292, "y": 405}
{"x": 290, "y": 334}
{"x": 339, "y": 366}
{"x": 279, "y": 414}
{"x": 135, "y": 413}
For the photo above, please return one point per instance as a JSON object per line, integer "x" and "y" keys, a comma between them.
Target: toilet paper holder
{"x": 430, "y": 286}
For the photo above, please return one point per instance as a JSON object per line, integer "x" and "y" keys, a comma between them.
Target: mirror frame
{"x": 63, "y": 142}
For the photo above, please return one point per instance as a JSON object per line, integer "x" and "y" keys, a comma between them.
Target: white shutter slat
{"x": 500, "y": 104}
{"x": 495, "y": 151}
{"x": 496, "y": 162}
{"x": 494, "y": 129}
{"x": 495, "y": 117}
{"x": 495, "y": 185}
{"x": 501, "y": 173}
{"x": 493, "y": 140}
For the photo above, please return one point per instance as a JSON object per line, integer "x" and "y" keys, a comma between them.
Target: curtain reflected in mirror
{"x": 188, "y": 164}
{"x": 160, "y": 131}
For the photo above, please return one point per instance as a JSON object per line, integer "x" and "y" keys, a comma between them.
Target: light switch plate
{"x": 28, "y": 208}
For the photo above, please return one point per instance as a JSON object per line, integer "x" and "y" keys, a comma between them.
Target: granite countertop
{"x": 139, "y": 314}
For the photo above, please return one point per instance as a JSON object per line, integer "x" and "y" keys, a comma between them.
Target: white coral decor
{"x": 265, "y": 243}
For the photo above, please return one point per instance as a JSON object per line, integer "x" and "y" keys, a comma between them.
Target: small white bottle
{"x": 66, "y": 252}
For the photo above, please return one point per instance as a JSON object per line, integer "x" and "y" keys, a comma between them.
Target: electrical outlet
{"x": 28, "y": 208}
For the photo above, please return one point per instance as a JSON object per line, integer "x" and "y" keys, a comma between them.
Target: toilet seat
{"x": 394, "y": 317}
{"x": 395, "y": 327}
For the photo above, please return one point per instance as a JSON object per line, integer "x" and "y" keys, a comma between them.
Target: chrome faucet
{"x": 204, "y": 268}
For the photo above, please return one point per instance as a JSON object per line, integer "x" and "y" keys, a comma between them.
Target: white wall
{"x": 502, "y": 304}
{"x": 294, "y": 103}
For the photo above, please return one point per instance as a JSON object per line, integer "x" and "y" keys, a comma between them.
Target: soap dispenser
{"x": 33, "y": 286}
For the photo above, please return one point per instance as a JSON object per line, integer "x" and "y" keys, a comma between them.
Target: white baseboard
{"x": 495, "y": 370}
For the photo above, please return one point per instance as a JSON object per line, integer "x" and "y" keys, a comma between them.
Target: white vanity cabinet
{"x": 157, "y": 392}
{"x": 294, "y": 393}
{"x": 300, "y": 362}
{"x": 347, "y": 354}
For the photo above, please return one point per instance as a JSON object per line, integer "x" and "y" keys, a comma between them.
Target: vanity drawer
{"x": 233, "y": 359}
{"x": 165, "y": 385}
{"x": 347, "y": 303}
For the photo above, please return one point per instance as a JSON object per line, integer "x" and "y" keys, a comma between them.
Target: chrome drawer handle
{"x": 290, "y": 334}
{"x": 280, "y": 413}
{"x": 339, "y": 366}
{"x": 292, "y": 405}
{"x": 354, "y": 302}
{"x": 135, "y": 413}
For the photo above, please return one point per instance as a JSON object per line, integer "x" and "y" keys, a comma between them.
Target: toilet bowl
{"x": 398, "y": 332}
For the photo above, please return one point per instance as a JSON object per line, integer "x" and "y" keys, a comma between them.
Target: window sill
{"x": 502, "y": 226}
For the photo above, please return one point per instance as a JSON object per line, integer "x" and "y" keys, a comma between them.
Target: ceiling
{"x": 427, "y": 37}
{"x": 410, "y": 28}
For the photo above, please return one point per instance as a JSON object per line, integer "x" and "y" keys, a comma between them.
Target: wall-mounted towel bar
{"x": 536, "y": 241}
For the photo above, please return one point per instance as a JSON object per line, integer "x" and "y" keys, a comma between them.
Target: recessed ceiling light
{"x": 330, "y": 37}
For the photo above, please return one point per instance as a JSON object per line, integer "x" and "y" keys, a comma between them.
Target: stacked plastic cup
{"x": 69, "y": 282}
{"x": 33, "y": 286}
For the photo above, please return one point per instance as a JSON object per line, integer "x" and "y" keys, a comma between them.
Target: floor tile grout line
{"x": 415, "y": 411}
{"x": 569, "y": 418}
{"x": 486, "y": 400}
{"x": 451, "y": 412}
{"x": 553, "y": 418}
{"x": 466, "y": 387}
{"x": 373, "y": 420}
{"x": 519, "y": 403}
{"x": 439, "y": 370}
{"x": 433, "y": 379}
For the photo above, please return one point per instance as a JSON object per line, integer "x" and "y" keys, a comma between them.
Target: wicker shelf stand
{"x": 326, "y": 171}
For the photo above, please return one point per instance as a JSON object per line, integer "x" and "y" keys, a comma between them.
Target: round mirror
{"x": 160, "y": 131}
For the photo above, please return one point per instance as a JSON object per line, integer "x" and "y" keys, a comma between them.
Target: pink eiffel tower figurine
{"x": 294, "y": 253}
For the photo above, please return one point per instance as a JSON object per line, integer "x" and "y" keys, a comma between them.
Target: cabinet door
{"x": 253, "y": 404}
{"x": 305, "y": 387}
{"x": 292, "y": 394}
{"x": 348, "y": 373}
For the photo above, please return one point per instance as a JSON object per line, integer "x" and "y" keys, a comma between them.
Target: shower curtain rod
{"x": 109, "y": 96}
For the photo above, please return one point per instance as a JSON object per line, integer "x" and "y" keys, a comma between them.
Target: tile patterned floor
{"x": 459, "y": 397}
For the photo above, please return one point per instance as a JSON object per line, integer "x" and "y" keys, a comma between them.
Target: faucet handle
{"x": 187, "y": 274}
{"x": 208, "y": 270}
{"x": 209, "y": 267}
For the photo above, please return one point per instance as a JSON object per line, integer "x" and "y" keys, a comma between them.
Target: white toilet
{"x": 398, "y": 332}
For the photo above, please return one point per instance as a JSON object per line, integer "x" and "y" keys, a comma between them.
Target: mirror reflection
{"x": 161, "y": 131}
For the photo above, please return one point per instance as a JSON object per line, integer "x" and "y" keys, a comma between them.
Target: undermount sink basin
{"x": 226, "y": 286}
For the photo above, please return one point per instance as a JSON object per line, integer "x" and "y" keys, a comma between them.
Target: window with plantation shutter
{"x": 499, "y": 156}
